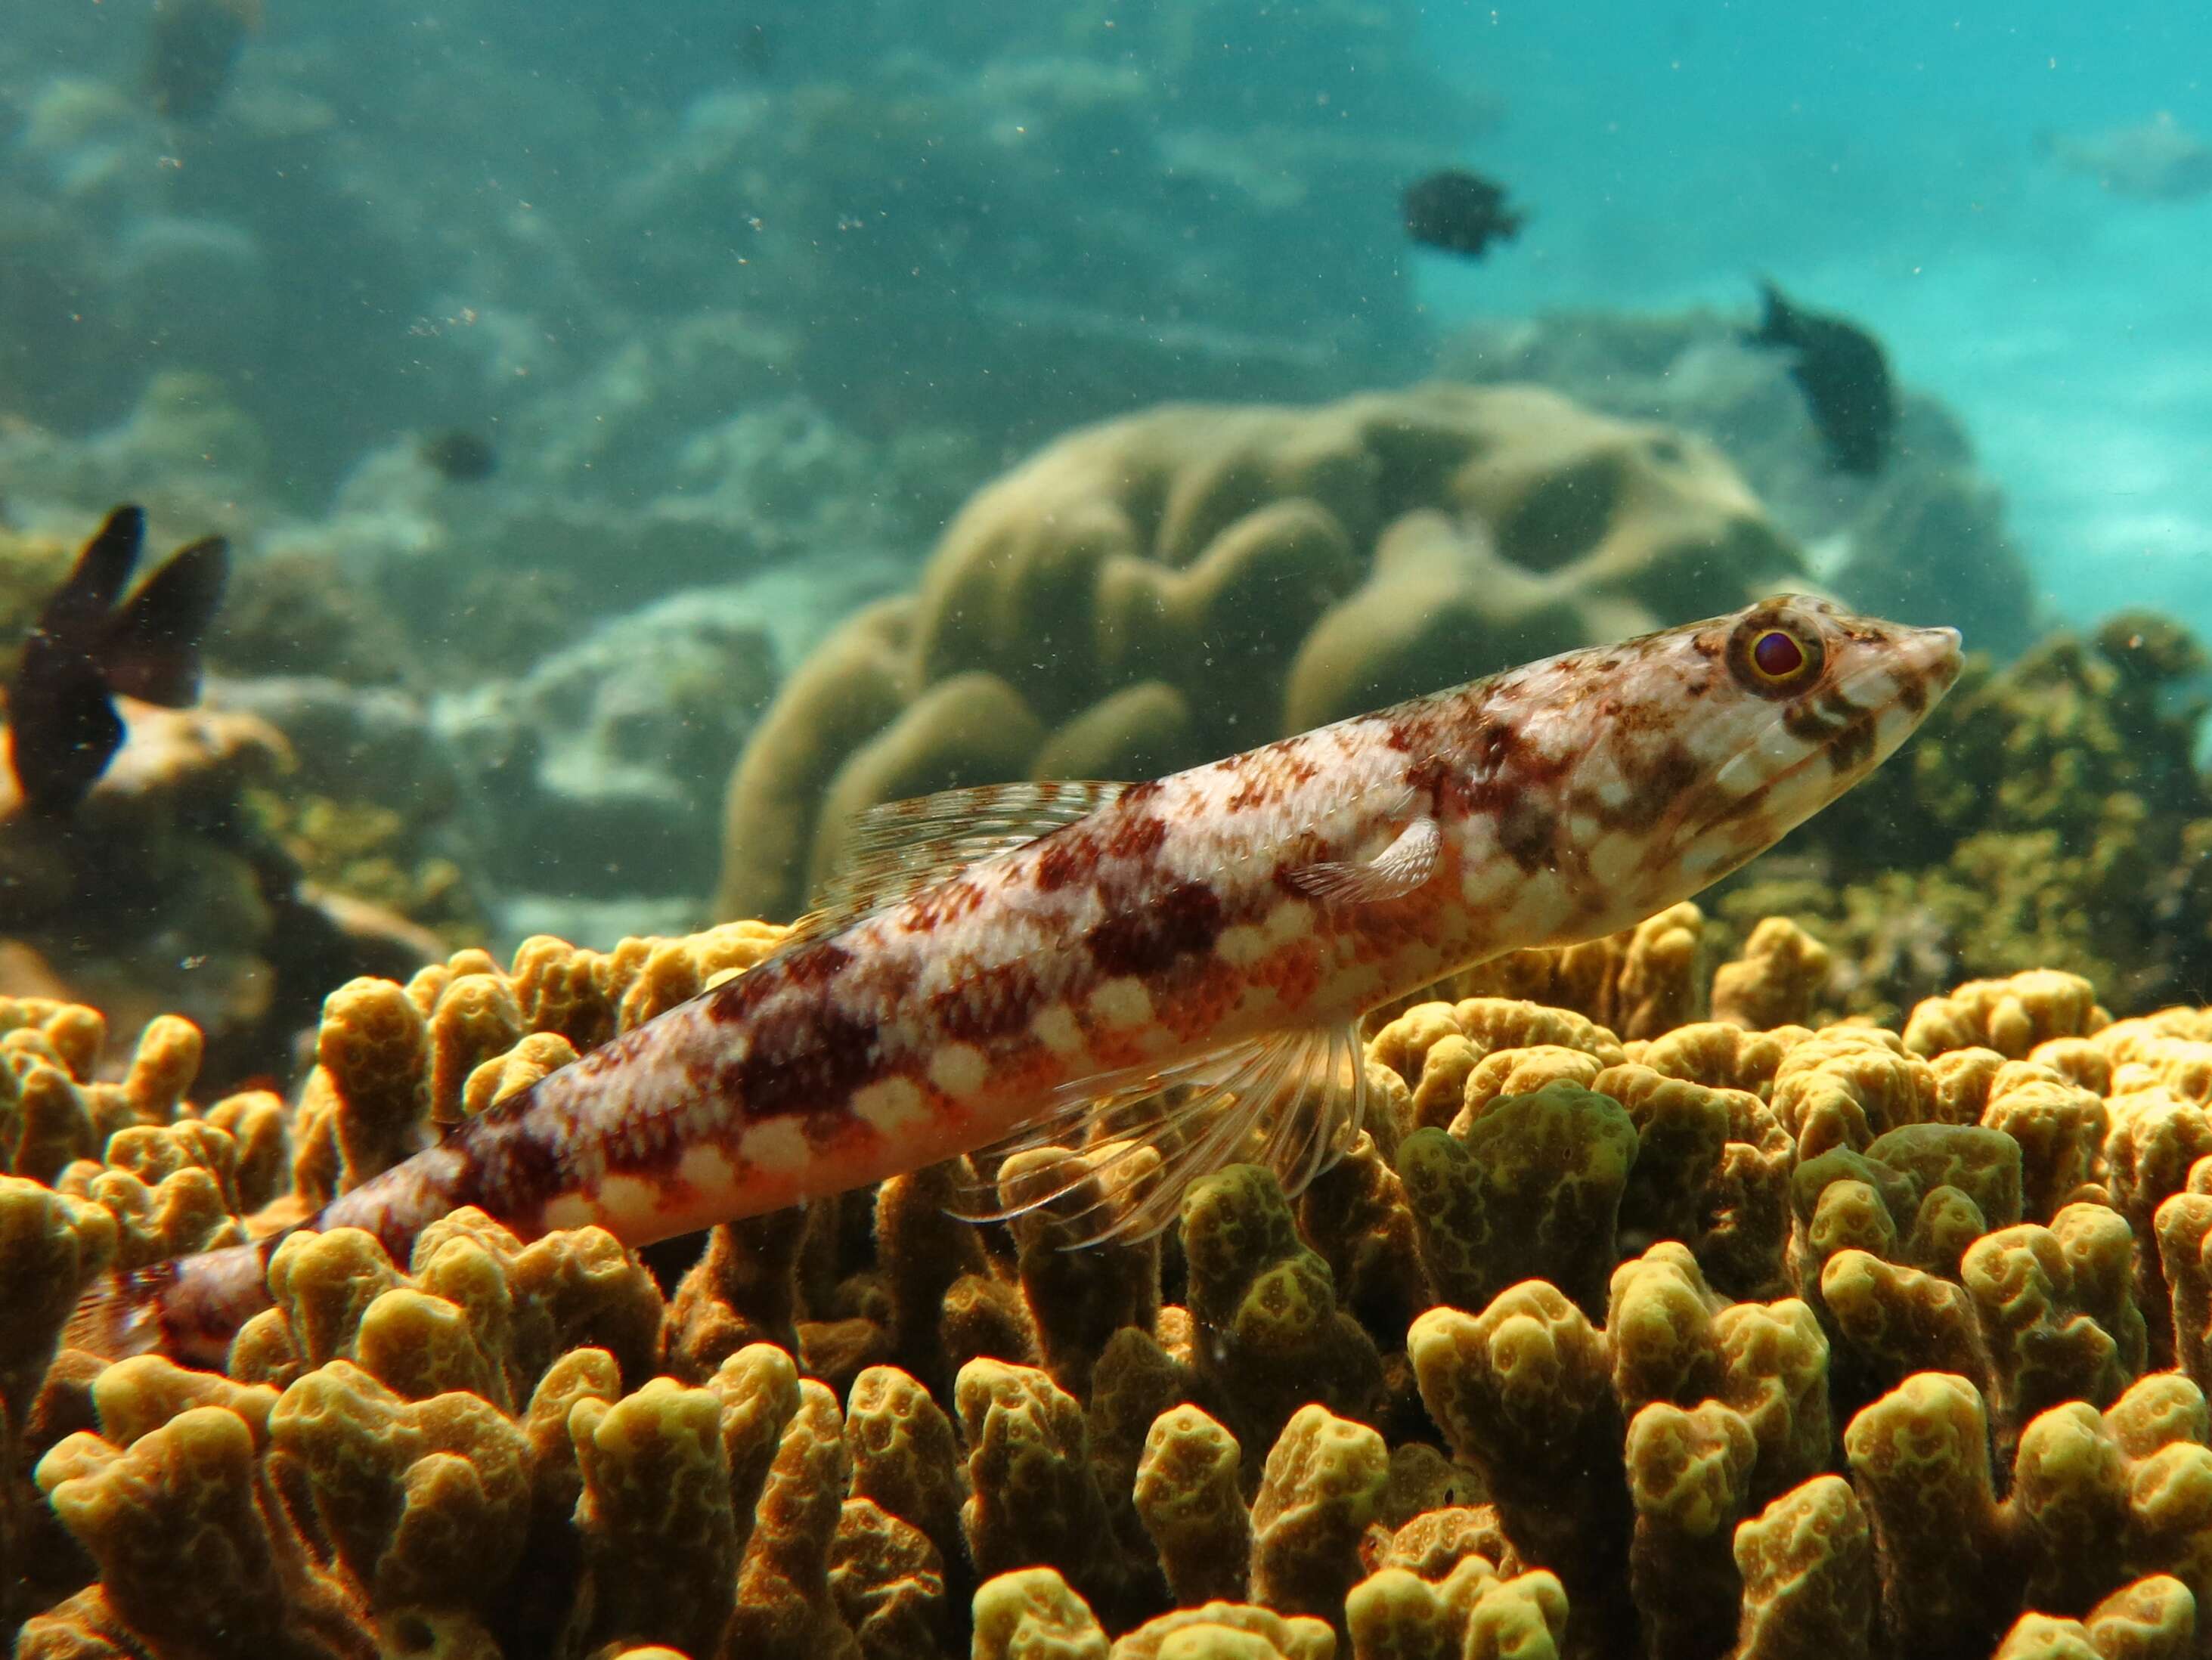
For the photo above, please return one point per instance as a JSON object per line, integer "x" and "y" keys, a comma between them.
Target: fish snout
{"x": 1935, "y": 656}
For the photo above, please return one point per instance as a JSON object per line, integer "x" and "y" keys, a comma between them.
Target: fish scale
{"x": 1196, "y": 952}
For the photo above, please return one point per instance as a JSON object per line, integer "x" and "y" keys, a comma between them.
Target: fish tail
{"x": 188, "y": 1307}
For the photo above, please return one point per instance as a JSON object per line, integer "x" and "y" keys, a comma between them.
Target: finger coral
{"x": 1805, "y": 1340}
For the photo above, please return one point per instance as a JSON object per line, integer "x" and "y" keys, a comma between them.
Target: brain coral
{"x": 1157, "y": 591}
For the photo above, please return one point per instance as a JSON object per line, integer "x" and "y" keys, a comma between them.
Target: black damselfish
{"x": 1459, "y": 212}
{"x": 90, "y": 646}
{"x": 1844, "y": 375}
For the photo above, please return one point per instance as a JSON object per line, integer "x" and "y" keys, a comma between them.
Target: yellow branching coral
{"x": 1552, "y": 1362}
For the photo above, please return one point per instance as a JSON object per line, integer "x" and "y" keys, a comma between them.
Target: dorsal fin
{"x": 897, "y": 849}
{"x": 150, "y": 648}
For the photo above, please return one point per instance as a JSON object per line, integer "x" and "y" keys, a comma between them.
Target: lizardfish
{"x": 1195, "y": 952}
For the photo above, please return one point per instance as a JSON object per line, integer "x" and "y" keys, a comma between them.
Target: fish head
{"x": 1799, "y": 700}
{"x": 1650, "y": 769}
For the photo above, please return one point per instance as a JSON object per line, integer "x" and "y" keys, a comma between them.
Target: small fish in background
{"x": 459, "y": 455}
{"x": 192, "y": 49}
{"x": 1459, "y": 212}
{"x": 90, "y": 646}
{"x": 1844, "y": 375}
{"x": 2154, "y": 161}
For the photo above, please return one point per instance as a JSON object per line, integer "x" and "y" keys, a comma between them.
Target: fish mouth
{"x": 1926, "y": 660}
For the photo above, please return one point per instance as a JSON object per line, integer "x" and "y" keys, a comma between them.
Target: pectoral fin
{"x": 1391, "y": 874}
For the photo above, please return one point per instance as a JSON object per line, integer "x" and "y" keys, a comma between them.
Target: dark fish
{"x": 193, "y": 46}
{"x": 1459, "y": 212}
{"x": 466, "y": 458}
{"x": 1844, "y": 375}
{"x": 90, "y": 646}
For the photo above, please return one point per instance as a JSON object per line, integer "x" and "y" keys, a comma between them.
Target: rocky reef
{"x": 170, "y": 890}
{"x": 617, "y": 237}
{"x": 1649, "y": 1315}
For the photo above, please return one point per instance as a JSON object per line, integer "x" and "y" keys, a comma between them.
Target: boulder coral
{"x": 1154, "y": 592}
{"x": 1810, "y": 1339}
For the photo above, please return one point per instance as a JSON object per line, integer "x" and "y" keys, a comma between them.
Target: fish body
{"x": 1215, "y": 935}
{"x": 1459, "y": 212}
{"x": 91, "y": 645}
{"x": 192, "y": 46}
{"x": 459, "y": 455}
{"x": 1844, "y": 375}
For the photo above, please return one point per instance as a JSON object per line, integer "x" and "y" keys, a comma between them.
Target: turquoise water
{"x": 725, "y": 311}
{"x": 1884, "y": 157}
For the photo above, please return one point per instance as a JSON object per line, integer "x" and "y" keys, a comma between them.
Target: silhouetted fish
{"x": 1844, "y": 375}
{"x": 91, "y": 645}
{"x": 2154, "y": 161}
{"x": 466, "y": 458}
{"x": 193, "y": 46}
{"x": 1459, "y": 212}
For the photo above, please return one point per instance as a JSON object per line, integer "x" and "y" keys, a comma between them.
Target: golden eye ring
{"x": 1776, "y": 656}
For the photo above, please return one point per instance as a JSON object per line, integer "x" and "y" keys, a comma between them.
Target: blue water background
{"x": 1880, "y": 160}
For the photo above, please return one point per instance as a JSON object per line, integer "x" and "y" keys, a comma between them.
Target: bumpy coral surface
{"x": 1125, "y": 603}
{"x": 1721, "y": 1332}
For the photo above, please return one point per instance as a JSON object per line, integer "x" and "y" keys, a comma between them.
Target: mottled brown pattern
{"x": 1527, "y": 831}
{"x": 802, "y": 1065}
{"x": 1071, "y": 856}
{"x": 993, "y": 1002}
{"x": 1139, "y": 836}
{"x": 1185, "y": 919}
{"x": 944, "y": 904}
{"x": 1670, "y": 774}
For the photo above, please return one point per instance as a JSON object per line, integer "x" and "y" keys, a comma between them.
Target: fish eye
{"x": 1776, "y": 656}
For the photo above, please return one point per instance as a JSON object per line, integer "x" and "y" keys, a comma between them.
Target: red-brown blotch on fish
{"x": 1195, "y": 953}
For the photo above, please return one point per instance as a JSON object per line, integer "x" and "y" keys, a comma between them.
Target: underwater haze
{"x": 1105, "y": 830}
{"x": 1898, "y": 160}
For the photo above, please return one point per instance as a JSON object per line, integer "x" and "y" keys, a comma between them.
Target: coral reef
{"x": 605, "y": 755}
{"x": 697, "y": 223}
{"x": 165, "y": 850}
{"x": 1721, "y": 1338}
{"x": 1120, "y": 605}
